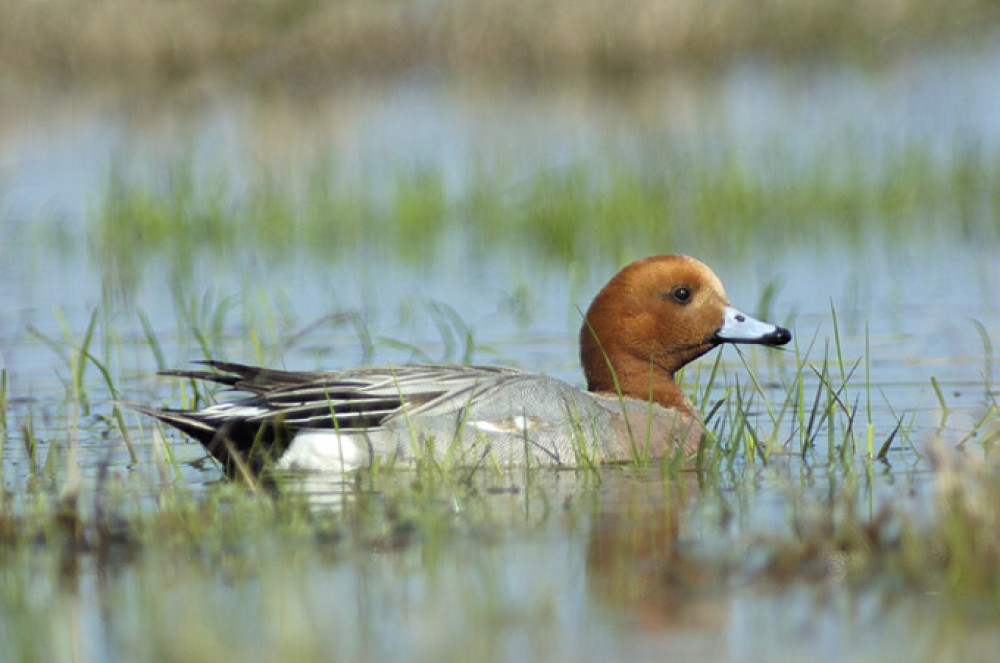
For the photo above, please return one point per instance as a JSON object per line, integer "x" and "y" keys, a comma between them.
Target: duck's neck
{"x": 638, "y": 379}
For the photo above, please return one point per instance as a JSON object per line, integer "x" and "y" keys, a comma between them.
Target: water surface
{"x": 540, "y": 582}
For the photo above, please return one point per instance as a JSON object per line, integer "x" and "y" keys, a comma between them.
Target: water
{"x": 911, "y": 303}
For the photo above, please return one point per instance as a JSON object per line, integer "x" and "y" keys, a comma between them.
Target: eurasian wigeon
{"x": 652, "y": 318}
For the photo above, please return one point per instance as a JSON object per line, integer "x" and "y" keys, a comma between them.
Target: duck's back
{"x": 506, "y": 418}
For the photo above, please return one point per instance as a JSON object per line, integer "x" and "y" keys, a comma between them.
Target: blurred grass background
{"x": 562, "y": 215}
{"x": 158, "y": 43}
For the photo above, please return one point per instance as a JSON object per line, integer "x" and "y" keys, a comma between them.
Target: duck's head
{"x": 655, "y": 316}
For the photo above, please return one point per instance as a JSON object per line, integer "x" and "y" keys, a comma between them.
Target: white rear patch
{"x": 325, "y": 450}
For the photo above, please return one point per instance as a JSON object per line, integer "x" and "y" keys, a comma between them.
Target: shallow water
{"x": 540, "y": 588}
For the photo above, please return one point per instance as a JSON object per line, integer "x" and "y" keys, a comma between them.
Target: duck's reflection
{"x": 637, "y": 563}
{"x": 634, "y": 524}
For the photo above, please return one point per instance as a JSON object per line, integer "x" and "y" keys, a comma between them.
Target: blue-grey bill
{"x": 738, "y": 327}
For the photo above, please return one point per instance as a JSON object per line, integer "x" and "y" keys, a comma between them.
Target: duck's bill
{"x": 738, "y": 327}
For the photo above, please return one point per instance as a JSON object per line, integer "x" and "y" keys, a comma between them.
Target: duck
{"x": 651, "y": 319}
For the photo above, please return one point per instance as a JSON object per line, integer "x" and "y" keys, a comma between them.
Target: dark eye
{"x": 681, "y": 294}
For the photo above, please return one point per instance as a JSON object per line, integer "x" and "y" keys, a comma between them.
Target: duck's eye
{"x": 681, "y": 294}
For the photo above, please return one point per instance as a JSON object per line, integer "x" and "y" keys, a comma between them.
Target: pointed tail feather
{"x": 242, "y": 377}
{"x": 179, "y": 419}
